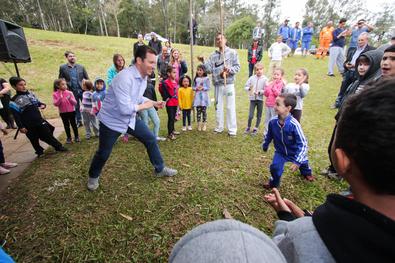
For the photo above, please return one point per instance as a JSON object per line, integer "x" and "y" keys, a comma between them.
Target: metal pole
{"x": 16, "y": 69}
{"x": 191, "y": 46}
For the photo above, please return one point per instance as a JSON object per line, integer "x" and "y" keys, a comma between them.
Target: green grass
{"x": 47, "y": 215}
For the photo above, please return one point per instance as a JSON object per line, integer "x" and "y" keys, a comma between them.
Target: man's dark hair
{"x": 15, "y": 80}
{"x": 289, "y": 100}
{"x": 390, "y": 49}
{"x": 365, "y": 131}
{"x": 141, "y": 52}
{"x": 68, "y": 52}
{"x": 343, "y": 20}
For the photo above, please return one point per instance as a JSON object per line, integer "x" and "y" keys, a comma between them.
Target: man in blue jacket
{"x": 289, "y": 142}
{"x": 294, "y": 36}
{"x": 284, "y": 31}
{"x": 118, "y": 115}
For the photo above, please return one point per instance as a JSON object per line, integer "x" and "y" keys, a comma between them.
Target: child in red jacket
{"x": 170, "y": 87}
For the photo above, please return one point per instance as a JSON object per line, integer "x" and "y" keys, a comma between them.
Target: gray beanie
{"x": 227, "y": 241}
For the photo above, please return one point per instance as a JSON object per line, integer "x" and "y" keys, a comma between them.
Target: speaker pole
{"x": 16, "y": 69}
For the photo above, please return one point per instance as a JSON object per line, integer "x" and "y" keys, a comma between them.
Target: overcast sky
{"x": 294, "y": 9}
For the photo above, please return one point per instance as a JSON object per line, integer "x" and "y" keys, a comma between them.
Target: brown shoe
{"x": 309, "y": 178}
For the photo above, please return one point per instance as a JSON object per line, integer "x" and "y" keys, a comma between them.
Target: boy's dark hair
{"x": 141, "y": 52}
{"x": 365, "y": 131}
{"x": 68, "y": 52}
{"x": 343, "y": 20}
{"x": 362, "y": 59}
{"x": 169, "y": 69}
{"x": 289, "y": 100}
{"x": 15, "y": 80}
{"x": 182, "y": 79}
{"x": 390, "y": 49}
{"x": 56, "y": 83}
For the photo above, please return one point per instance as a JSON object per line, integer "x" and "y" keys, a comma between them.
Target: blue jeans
{"x": 250, "y": 69}
{"x": 151, "y": 114}
{"x": 107, "y": 139}
{"x": 277, "y": 168}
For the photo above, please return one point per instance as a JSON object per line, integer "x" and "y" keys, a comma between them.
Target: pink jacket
{"x": 64, "y": 100}
{"x": 272, "y": 90}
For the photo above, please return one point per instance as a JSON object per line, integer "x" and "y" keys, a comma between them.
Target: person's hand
{"x": 275, "y": 200}
{"x": 201, "y": 59}
{"x": 5, "y": 132}
{"x": 294, "y": 167}
{"x": 43, "y": 106}
{"x": 160, "y": 104}
{"x": 23, "y": 130}
{"x": 200, "y": 87}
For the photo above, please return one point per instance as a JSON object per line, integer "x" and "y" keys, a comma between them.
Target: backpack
{"x": 163, "y": 91}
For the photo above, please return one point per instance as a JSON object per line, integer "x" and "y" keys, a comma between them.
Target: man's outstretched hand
{"x": 280, "y": 204}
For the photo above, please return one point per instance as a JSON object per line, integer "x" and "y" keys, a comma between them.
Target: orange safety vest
{"x": 326, "y": 33}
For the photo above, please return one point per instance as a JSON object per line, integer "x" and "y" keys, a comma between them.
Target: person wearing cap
{"x": 336, "y": 52}
{"x": 284, "y": 31}
{"x": 254, "y": 55}
{"x": 155, "y": 43}
{"x": 325, "y": 40}
{"x": 357, "y": 29}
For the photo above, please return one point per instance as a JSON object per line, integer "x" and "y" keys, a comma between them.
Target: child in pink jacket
{"x": 272, "y": 90}
{"x": 65, "y": 101}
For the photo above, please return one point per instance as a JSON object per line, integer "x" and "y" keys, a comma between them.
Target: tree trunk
{"x": 86, "y": 25}
{"x": 175, "y": 21}
{"x": 116, "y": 21}
{"x": 165, "y": 17}
{"x": 101, "y": 25}
{"x": 44, "y": 26}
{"x": 104, "y": 19}
{"x": 68, "y": 14}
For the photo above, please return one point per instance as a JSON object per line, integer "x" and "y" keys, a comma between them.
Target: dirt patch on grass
{"x": 57, "y": 43}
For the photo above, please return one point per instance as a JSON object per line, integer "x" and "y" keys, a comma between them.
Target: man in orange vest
{"x": 325, "y": 40}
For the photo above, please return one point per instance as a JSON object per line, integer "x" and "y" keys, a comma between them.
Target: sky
{"x": 294, "y": 9}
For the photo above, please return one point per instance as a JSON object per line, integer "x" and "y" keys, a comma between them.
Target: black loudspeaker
{"x": 13, "y": 46}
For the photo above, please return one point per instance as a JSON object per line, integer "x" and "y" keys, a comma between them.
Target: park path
{"x": 21, "y": 151}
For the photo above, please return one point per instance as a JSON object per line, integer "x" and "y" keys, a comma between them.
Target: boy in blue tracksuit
{"x": 289, "y": 142}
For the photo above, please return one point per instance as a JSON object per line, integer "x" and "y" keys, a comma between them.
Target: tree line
{"x": 169, "y": 18}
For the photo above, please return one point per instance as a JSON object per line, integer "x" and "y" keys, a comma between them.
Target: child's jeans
{"x": 259, "y": 105}
{"x": 151, "y": 114}
{"x": 89, "y": 120}
{"x": 186, "y": 115}
{"x": 68, "y": 118}
{"x": 269, "y": 114}
{"x": 277, "y": 168}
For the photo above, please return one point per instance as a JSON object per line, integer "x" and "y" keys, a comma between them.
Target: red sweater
{"x": 172, "y": 89}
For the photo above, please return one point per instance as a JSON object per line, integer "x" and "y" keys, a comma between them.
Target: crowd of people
{"x": 124, "y": 103}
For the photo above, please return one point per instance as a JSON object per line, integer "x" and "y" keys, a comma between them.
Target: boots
{"x": 199, "y": 126}
{"x": 204, "y": 126}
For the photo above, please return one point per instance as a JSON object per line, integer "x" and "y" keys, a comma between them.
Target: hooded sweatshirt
{"x": 373, "y": 73}
{"x": 340, "y": 230}
{"x": 98, "y": 96}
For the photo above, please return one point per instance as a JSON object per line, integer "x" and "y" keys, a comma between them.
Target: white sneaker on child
{"x": 184, "y": 128}
{"x": 189, "y": 128}
{"x": 4, "y": 171}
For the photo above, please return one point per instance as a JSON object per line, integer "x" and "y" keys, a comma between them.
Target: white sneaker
{"x": 166, "y": 172}
{"x": 160, "y": 139}
{"x": 184, "y": 128}
{"x": 189, "y": 128}
{"x": 4, "y": 171}
{"x": 93, "y": 183}
{"x": 218, "y": 130}
{"x": 9, "y": 165}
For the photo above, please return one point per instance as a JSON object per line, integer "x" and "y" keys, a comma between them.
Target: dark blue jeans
{"x": 108, "y": 137}
{"x": 250, "y": 69}
{"x": 78, "y": 97}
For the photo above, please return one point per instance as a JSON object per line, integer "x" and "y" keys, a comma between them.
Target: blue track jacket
{"x": 289, "y": 140}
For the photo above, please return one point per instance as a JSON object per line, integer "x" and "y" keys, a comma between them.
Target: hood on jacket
{"x": 225, "y": 240}
{"x": 94, "y": 84}
{"x": 374, "y": 57}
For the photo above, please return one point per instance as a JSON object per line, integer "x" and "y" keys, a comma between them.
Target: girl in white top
{"x": 300, "y": 89}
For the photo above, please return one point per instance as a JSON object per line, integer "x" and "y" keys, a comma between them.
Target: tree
{"x": 114, "y": 7}
{"x": 239, "y": 32}
{"x": 270, "y": 25}
{"x": 385, "y": 21}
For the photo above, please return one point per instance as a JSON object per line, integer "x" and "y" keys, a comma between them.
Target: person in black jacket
{"x": 74, "y": 73}
{"x": 155, "y": 43}
{"x": 26, "y": 110}
{"x": 254, "y": 55}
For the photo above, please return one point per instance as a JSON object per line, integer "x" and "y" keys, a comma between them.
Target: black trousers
{"x": 331, "y": 167}
{"x": 44, "y": 133}
{"x": 297, "y": 114}
{"x": 171, "y": 118}
{"x": 186, "y": 115}
{"x": 2, "y": 159}
{"x": 201, "y": 112}
{"x": 5, "y": 111}
{"x": 68, "y": 118}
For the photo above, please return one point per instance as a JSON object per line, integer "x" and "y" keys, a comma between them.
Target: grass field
{"x": 47, "y": 215}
